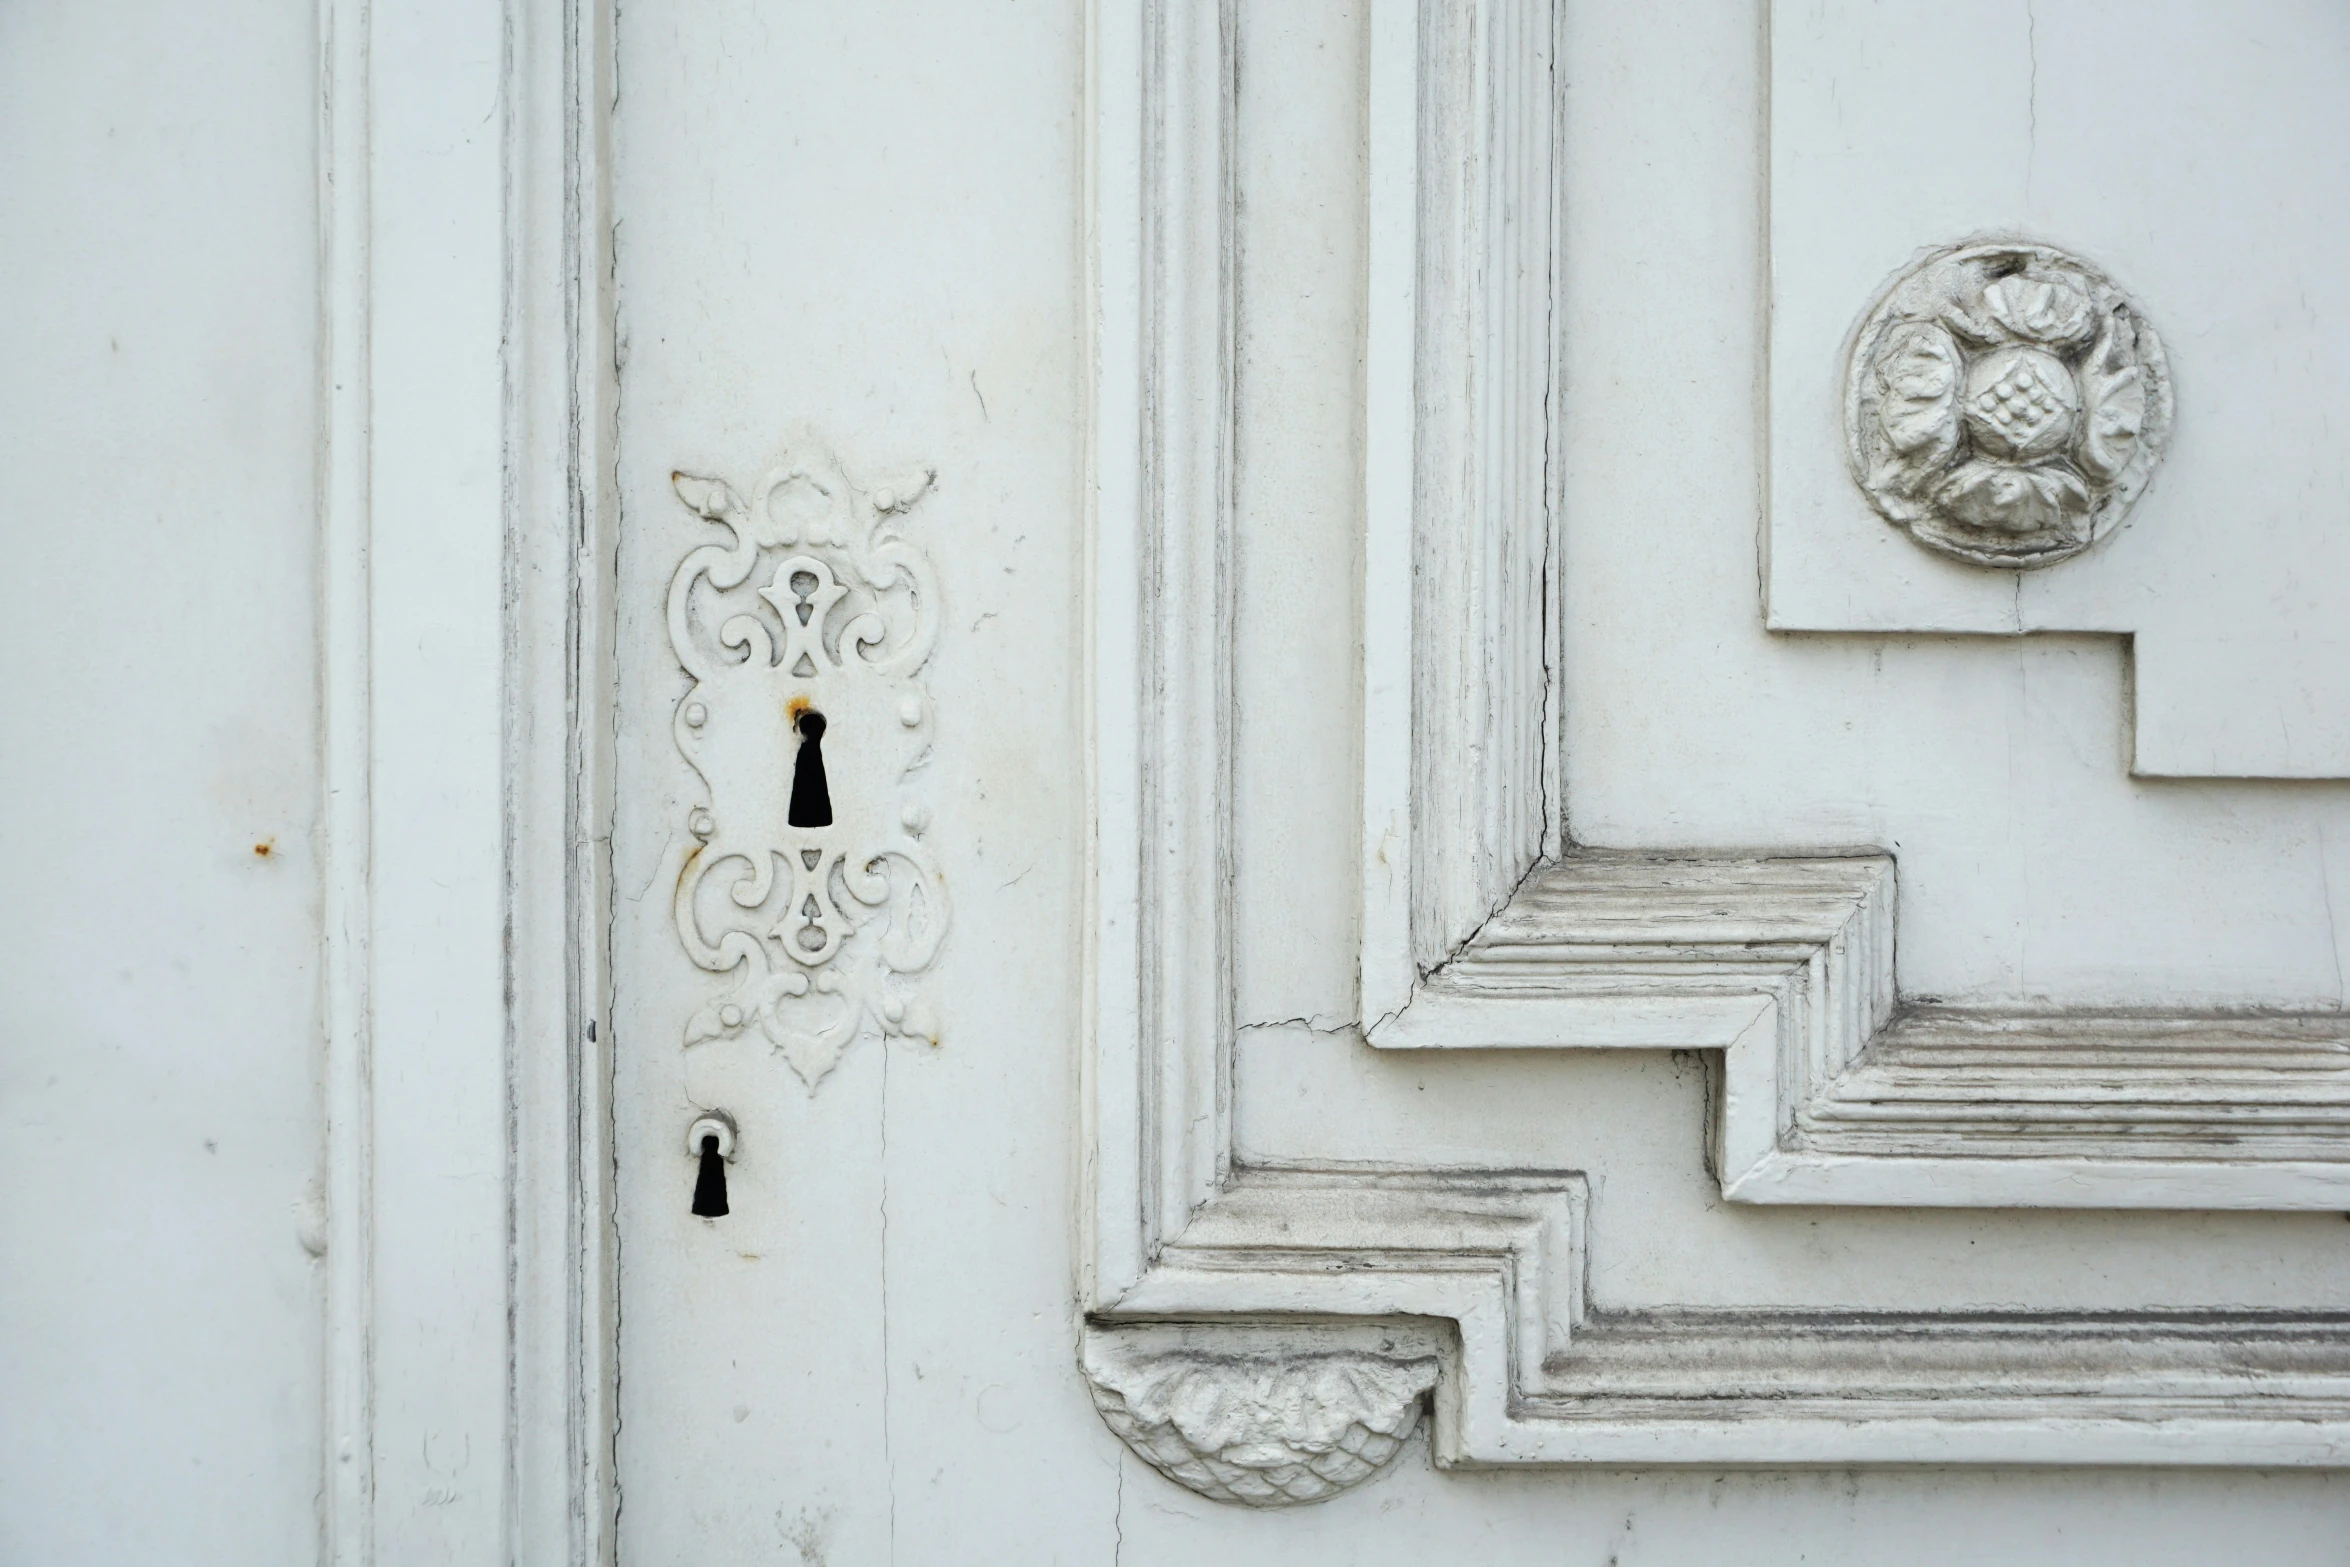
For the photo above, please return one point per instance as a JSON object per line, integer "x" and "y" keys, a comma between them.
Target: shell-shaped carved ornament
{"x": 1268, "y": 1429}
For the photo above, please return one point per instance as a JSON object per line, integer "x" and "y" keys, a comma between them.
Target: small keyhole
{"x": 811, "y": 797}
{"x": 710, "y": 1185}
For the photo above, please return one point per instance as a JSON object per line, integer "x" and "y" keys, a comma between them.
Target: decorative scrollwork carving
{"x": 817, "y": 608}
{"x": 2005, "y": 403}
{"x": 1293, "y": 1423}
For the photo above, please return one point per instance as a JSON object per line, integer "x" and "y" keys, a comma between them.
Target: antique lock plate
{"x": 807, "y": 881}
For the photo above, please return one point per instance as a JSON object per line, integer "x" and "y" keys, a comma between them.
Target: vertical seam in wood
{"x": 344, "y": 468}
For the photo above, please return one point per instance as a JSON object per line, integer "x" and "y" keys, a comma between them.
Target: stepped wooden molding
{"x": 1831, "y": 1091}
{"x": 1484, "y": 927}
{"x": 1527, "y": 1373}
{"x": 1793, "y": 1387}
{"x": 1497, "y": 1257}
{"x": 1211, "y": 1291}
{"x": 2107, "y": 1109}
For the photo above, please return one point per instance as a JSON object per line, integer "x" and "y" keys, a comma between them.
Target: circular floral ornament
{"x": 2005, "y": 403}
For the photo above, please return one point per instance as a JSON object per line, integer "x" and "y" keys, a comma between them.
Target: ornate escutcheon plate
{"x": 2005, "y": 403}
{"x": 816, "y": 607}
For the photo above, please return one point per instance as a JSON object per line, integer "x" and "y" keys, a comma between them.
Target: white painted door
{"x": 850, "y": 274}
{"x": 1582, "y": 782}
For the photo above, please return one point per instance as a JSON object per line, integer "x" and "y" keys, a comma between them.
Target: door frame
{"x": 467, "y": 397}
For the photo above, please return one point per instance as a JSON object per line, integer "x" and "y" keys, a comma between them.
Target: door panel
{"x": 1231, "y": 738}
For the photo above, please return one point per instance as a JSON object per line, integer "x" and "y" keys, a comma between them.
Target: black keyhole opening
{"x": 811, "y": 796}
{"x": 710, "y": 1185}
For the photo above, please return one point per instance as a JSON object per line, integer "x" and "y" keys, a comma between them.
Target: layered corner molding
{"x": 1313, "y": 1414}
{"x": 1482, "y": 927}
{"x": 1260, "y": 1333}
{"x": 2005, "y": 404}
{"x": 804, "y": 875}
{"x": 1833, "y": 1091}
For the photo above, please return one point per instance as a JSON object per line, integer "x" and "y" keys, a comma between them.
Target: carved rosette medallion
{"x": 807, "y": 880}
{"x": 2005, "y": 403}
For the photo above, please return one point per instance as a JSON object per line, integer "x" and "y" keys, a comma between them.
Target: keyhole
{"x": 811, "y": 797}
{"x": 710, "y": 1185}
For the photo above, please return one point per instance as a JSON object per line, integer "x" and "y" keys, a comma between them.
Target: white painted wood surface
{"x": 303, "y": 1233}
{"x": 1131, "y": 279}
{"x": 160, "y": 1322}
{"x": 468, "y": 1305}
{"x": 1358, "y": 1226}
{"x": 2207, "y": 169}
{"x": 842, "y": 232}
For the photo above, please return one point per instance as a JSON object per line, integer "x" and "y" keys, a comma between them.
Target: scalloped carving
{"x": 1276, "y": 1426}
